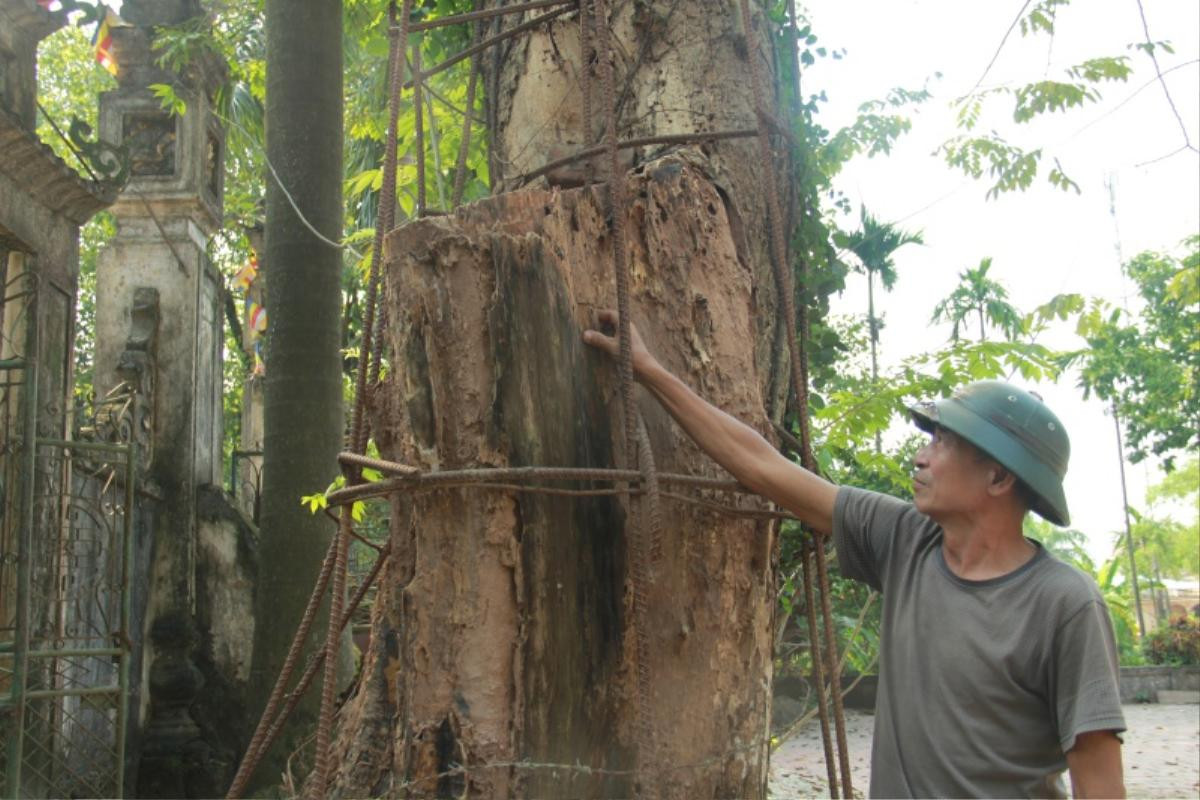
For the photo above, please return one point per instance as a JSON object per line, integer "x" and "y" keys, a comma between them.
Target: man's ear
{"x": 1001, "y": 480}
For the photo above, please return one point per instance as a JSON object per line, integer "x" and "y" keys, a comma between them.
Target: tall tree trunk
{"x": 502, "y": 634}
{"x": 303, "y": 407}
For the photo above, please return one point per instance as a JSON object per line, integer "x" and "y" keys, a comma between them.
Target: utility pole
{"x": 1129, "y": 546}
{"x": 1137, "y": 595}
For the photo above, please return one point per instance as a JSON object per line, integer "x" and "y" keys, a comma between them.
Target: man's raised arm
{"x": 731, "y": 443}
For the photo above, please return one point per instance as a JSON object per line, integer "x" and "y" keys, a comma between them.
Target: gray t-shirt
{"x": 983, "y": 685}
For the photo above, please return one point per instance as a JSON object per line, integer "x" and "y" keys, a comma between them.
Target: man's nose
{"x": 921, "y": 460}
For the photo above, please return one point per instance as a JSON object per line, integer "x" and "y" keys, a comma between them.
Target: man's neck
{"x": 978, "y": 550}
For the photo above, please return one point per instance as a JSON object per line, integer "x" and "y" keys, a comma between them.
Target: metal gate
{"x": 65, "y": 550}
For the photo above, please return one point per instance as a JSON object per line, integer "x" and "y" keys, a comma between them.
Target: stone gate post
{"x": 159, "y": 330}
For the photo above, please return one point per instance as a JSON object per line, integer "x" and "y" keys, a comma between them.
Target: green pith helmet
{"x": 1013, "y": 427}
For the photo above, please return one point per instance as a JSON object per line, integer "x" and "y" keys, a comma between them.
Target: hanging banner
{"x": 245, "y": 276}
{"x": 103, "y": 42}
{"x": 256, "y": 319}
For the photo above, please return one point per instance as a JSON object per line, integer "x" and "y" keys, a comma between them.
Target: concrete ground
{"x": 1161, "y": 755}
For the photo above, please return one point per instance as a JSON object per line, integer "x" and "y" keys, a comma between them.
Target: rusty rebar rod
{"x": 818, "y": 666}
{"x": 528, "y": 25}
{"x": 464, "y": 141}
{"x": 487, "y": 13}
{"x": 256, "y": 746}
{"x": 641, "y": 141}
{"x": 254, "y": 754}
{"x": 799, "y": 374}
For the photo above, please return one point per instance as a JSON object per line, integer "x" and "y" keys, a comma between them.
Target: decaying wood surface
{"x": 501, "y": 632}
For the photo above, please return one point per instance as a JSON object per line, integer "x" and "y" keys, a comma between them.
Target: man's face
{"x": 951, "y": 477}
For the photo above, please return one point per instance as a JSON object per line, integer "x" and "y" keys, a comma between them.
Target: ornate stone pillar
{"x": 159, "y": 330}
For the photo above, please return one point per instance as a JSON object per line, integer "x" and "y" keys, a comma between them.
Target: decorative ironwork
{"x": 89, "y": 13}
{"x": 65, "y": 553}
{"x": 109, "y": 162}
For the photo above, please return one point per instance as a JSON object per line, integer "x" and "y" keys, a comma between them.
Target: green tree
{"x": 1066, "y": 544}
{"x": 1147, "y": 363}
{"x": 303, "y": 412}
{"x": 981, "y": 296}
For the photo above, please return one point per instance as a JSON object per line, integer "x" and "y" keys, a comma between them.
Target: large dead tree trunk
{"x": 503, "y": 628}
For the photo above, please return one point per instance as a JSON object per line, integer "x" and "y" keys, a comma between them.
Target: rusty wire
{"x": 255, "y": 754}
{"x": 516, "y": 30}
{"x": 641, "y": 141}
{"x": 256, "y": 747}
{"x": 464, "y": 142}
{"x": 419, "y": 135}
{"x": 487, "y": 13}
{"x": 814, "y": 639}
{"x": 586, "y": 56}
{"x": 799, "y": 374}
{"x": 640, "y": 561}
{"x": 323, "y": 768}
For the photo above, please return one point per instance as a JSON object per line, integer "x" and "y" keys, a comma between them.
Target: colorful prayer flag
{"x": 260, "y": 366}
{"x": 256, "y": 319}
{"x": 103, "y": 42}
{"x": 246, "y": 275}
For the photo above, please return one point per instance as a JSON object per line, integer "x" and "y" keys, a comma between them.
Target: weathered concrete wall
{"x": 1142, "y": 684}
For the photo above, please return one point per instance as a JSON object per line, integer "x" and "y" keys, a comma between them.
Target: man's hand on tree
{"x": 606, "y": 340}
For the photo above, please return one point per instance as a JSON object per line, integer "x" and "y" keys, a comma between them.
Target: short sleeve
{"x": 1087, "y": 694}
{"x": 865, "y": 525}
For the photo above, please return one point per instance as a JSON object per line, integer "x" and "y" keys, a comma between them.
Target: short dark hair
{"x": 1029, "y": 498}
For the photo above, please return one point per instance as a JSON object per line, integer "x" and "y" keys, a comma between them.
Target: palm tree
{"x": 982, "y": 296}
{"x": 874, "y": 246}
{"x": 302, "y": 414}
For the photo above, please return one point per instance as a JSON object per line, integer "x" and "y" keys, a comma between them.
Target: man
{"x": 998, "y": 665}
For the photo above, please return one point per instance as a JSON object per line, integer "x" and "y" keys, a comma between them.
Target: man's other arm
{"x": 731, "y": 443}
{"x": 1095, "y": 765}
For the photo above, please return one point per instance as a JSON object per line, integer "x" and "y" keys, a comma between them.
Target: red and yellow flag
{"x": 246, "y": 275}
{"x": 103, "y": 42}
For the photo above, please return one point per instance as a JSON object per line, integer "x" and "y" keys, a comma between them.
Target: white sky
{"x": 1043, "y": 241}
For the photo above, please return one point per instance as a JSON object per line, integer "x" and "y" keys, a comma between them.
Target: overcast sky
{"x": 1043, "y": 241}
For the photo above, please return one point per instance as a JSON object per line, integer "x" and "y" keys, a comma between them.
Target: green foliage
{"x": 69, "y": 84}
{"x": 1065, "y": 544}
{"x": 171, "y": 102}
{"x": 1148, "y": 365}
{"x": 1012, "y": 167}
{"x": 1118, "y": 598}
{"x": 1176, "y": 644}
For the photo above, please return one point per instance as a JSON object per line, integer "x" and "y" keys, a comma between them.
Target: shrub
{"x": 1177, "y": 643}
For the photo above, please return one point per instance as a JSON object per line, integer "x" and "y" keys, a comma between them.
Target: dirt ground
{"x": 1161, "y": 755}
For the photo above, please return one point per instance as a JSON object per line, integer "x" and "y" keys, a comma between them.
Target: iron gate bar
{"x": 23, "y": 653}
{"x": 78, "y": 652}
{"x": 131, "y": 458}
{"x": 93, "y": 691}
{"x": 24, "y": 541}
